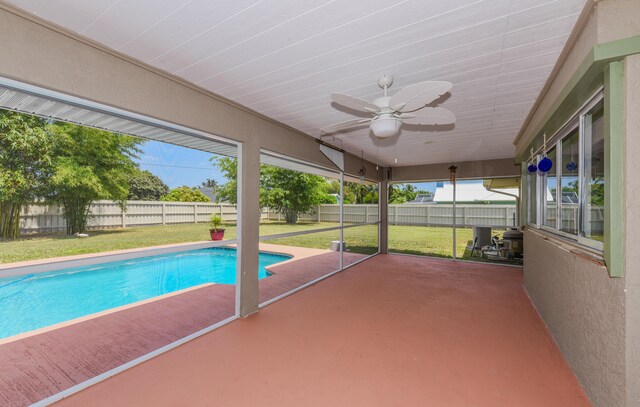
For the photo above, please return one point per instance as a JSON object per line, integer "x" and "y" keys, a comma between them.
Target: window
{"x": 549, "y": 199}
{"x": 568, "y": 183}
{"x": 532, "y": 197}
{"x": 593, "y": 178}
{"x": 571, "y": 193}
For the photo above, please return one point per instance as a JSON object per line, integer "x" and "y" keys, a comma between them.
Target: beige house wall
{"x": 499, "y": 168}
{"x": 632, "y": 226}
{"x": 585, "y": 311}
{"x": 594, "y": 318}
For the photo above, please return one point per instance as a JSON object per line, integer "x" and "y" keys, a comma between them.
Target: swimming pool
{"x": 38, "y": 300}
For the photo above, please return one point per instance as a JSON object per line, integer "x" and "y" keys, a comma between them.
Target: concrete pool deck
{"x": 38, "y": 364}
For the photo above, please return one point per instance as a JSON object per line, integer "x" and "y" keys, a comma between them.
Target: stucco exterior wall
{"x": 466, "y": 170}
{"x": 632, "y": 227}
{"x": 585, "y": 311}
{"x": 617, "y": 20}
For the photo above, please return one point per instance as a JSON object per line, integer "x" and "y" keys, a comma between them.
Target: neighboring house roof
{"x": 472, "y": 193}
{"x": 208, "y": 191}
{"x": 569, "y": 197}
{"x": 422, "y": 199}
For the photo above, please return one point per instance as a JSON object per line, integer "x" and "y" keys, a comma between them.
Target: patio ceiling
{"x": 283, "y": 58}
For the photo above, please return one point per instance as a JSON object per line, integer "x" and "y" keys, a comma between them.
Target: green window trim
{"x": 604, "y": 65}
{"x": 614, "y": 168}
{"x": 587, "y": 78}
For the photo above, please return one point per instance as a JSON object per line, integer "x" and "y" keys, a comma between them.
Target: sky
{"x": 431, "y": 186}
{"x": 178, "y": 166}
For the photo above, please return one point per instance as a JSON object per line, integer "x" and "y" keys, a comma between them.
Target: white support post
{"x": 247, "y": 290}
{"x": 454, "y": 220}
{"x": 124, "y": 218}
{"x": 452, "y": 170}
{"x": 341, "y": 219}
{"x": 164, "y": 214}
{"x": 383, "y": 217}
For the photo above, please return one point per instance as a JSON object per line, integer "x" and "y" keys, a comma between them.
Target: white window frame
{"x": 586, "y": 115}
{"x": 578, "y": 120}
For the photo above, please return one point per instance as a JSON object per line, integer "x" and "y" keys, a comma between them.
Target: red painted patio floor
{"x": 391, "y": 331}
{"x": 38, "y": 366}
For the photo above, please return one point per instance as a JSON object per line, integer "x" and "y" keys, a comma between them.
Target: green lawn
{"x": 402, "y": 239}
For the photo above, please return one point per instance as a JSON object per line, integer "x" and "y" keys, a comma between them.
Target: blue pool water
{"x": 38, "y": 300}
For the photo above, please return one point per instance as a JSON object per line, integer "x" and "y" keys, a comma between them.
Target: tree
{"x": 185, "y": 194}
{"x": 357, "y": 193}
{"x": 25, "y": 166}
{"x": 145, "y": 186}
{"x": 286, "y": 191}
{"x": 89, "y": 165}
{"x": 291, "y": 192}
{"x": 597, "y": 192}
{"x": 210, "y": 183}
{"x": 401, "y": 193}
{"x": 571, "y": 187}
{"x": 228, "y": 192}
{"x": 596, "y": 197}
{"x": 229, "y": 168}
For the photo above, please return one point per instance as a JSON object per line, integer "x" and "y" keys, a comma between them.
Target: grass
{"x": 402, "y": 239}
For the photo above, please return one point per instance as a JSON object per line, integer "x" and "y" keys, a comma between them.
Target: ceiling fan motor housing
{"x": 386, "y": 125}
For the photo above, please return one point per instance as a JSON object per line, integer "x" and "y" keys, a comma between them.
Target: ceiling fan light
{"x": 386, "y": 127}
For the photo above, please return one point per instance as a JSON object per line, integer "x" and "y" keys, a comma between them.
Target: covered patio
{"x": 540, "y": 94}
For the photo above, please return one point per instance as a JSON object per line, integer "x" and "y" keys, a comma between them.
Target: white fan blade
{"x": 430, "y": 116}
{"x": 419, "y": 94}
{"x": 354, "y": 103}
{"x": 345, "y": 125}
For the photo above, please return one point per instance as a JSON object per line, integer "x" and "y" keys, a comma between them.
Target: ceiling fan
{"x": 408, "y": 106}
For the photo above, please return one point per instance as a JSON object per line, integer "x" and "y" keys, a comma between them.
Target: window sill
{"x": 594, "y": 256}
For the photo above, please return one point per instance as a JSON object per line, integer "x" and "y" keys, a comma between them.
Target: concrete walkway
{"x": 391, "y": 331}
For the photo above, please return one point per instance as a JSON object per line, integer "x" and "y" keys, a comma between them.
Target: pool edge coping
{"x": 88, "y": 317}
{"x": 295, "y": 253}
{"x": 58, "y": 263}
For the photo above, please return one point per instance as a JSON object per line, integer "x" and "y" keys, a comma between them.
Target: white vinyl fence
{"x": 107, "y": 214}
